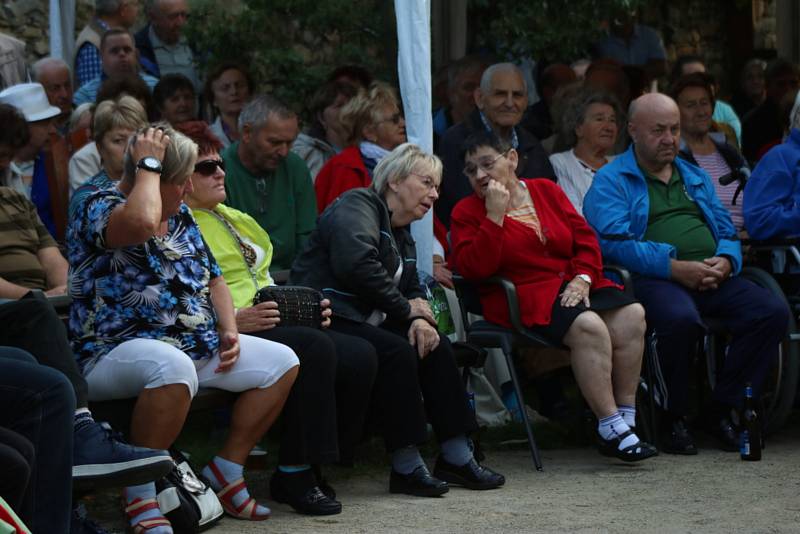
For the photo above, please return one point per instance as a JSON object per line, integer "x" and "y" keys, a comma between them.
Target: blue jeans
{"x": 38, "y": 403}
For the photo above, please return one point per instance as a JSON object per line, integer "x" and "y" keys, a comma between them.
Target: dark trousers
{"x": 404, "y": 380}
{"x": 17, "y": 459}
{"x": 309, "y": 432}
{"x": 38, "y": 403}
{"x": 756, "y": 319}
{"x": 32, "y": 325}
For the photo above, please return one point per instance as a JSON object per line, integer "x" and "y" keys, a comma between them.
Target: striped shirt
{"x": 714, "y": 164}
{"x": 22, "y": 236}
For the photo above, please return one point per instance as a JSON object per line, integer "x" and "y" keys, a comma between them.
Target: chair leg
{"x": 537, "y": 461}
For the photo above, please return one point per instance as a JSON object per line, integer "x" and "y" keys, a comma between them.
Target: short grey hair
{"x": 260, "y": 108}
{"x": 78, "y": 113}
{"x": 104, "y": 8}
{"x": 488, "y": 74}
{"x": 45, "y": 62}
{"x": 574, "y": 112}
{"x": 398, "y": 164}
{"x": 179, "y": 157}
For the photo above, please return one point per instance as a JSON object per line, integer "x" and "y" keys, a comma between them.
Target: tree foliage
{"x": 290, "y": 46}
{"x": 552, "y": 29}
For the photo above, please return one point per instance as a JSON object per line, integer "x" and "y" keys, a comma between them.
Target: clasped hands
{"x": 701, "y": 275}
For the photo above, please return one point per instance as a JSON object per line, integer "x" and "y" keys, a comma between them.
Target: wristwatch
{"x": 586, "y": 278}
{"x": 150, "y": 164}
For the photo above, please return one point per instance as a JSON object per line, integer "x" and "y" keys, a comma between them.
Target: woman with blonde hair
{"x": 113, "y": 123}
{"x": 374, "y": 124}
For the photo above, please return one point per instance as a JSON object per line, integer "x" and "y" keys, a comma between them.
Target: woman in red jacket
{"x": 528, "y": 231}
{"x": 375, "y": 126}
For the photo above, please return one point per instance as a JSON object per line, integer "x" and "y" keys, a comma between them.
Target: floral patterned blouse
{"x": 156, "y": 290}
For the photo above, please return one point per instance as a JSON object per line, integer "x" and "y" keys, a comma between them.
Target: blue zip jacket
{"x": 772, "y": 195}
{"x": 617, "y": 206}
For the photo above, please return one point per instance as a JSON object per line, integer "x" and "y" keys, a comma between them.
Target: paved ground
{"x": 579, "y": 491}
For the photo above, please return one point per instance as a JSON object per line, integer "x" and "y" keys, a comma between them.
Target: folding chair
{"x": 510, "y": 340}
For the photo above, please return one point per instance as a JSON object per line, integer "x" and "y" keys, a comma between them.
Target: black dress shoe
{"x": 641, "y": 450}
{"x": 323, "y": 484}
{"x": 471, "y": 475}
{"x": 726, "y": 435}
{"x": 304, "y": 498}
{"x": 419, "y": 482}
{"x": 675, "y": 438}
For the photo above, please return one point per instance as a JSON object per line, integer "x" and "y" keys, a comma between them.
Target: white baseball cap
{"x": 31, "y": 100}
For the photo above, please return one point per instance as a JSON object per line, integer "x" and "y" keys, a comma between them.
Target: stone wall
{"x": 28, "y": 20}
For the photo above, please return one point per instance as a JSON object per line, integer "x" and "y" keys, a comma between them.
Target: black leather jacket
{"x": 352, "y": 257}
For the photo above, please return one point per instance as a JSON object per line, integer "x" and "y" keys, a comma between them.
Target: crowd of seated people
{"x": 174, "y": 227}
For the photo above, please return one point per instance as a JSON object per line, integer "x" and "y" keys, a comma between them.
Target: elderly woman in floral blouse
{"x": 152, "y": 318}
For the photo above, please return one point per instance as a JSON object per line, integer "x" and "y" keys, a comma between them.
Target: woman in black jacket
{"x": 362, "y": 257}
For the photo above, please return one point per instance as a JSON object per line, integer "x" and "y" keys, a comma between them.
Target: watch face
{"x": 151, "y": 162}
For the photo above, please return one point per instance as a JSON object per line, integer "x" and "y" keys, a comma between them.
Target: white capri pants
{"x": 148, "y": 363}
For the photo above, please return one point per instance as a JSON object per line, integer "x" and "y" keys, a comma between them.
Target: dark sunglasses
{"x": 209, "y": 166}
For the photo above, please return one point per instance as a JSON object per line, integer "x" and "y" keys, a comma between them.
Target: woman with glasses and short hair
{"x": 374, "y": 126}
{"x": 529, "y": 232}
{"x": 362, "y": 257}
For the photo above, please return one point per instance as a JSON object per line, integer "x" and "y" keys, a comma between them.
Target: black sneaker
{"x": 675, "y": 437}
{"x": 101, "y": 458}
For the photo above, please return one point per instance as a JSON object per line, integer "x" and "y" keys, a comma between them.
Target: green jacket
{"x": 282, "y": 202}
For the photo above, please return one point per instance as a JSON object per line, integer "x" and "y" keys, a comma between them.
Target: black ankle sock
{"x": 299, "y": 482}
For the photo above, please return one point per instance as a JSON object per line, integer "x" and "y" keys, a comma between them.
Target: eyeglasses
{"x": 427, "y": 181}
{"x": 209, "y": 166}
{"x": 471, "y": 170}
{"x": 394, "y": 119}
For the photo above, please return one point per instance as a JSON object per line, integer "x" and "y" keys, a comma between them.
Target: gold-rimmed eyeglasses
{"x": 471, "y": 170}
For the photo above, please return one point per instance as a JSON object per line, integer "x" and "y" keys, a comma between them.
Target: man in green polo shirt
{"x": 659, "y": 217}
{"x": 269, "y": 182}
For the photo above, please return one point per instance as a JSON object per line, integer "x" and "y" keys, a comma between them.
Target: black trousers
{"x": 407, "y": 388}
{"x": 17, "y": 461}
{"x": 32, "y": 325}
{"x": 332, "y": 389}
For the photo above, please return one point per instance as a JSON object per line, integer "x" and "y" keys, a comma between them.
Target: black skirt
{"x": 561, "y": 317}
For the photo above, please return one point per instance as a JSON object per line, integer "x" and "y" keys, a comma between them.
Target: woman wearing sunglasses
{"x": 529, "y": 232}
{"x": 336, "y": 370}
{"x": 152, "y": 318}
{"x": 374, "y": 126}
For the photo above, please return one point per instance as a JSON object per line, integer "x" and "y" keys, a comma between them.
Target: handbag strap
{"x": 248, "y": 252}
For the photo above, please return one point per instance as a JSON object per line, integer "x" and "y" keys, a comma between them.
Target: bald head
{"x": 654, "y": 126}
{"x": 55, "y": 77}
{"x": 650, "y": 103}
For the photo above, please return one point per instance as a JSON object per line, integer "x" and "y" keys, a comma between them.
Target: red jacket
{"x": 481, "y": 248}
{"x": 344, "y": 171}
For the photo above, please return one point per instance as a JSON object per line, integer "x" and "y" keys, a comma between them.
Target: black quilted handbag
{"x": 298, "y": 305}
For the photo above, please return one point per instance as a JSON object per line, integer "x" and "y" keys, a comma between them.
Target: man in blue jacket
{"x": 772, "y": 194}
{"x": 659, "y": 217}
